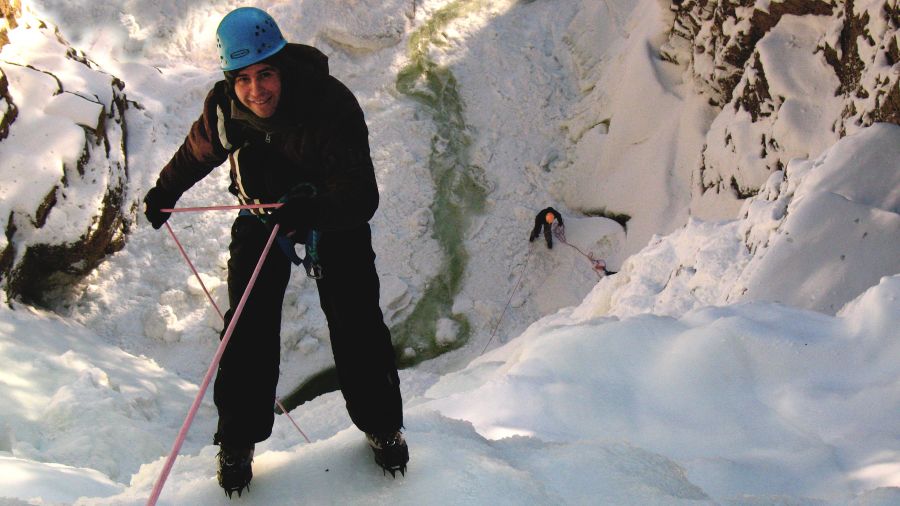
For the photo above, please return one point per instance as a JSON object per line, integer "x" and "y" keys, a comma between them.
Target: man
{"x": 293, "y": 134}
{"x": 544, "y": 220}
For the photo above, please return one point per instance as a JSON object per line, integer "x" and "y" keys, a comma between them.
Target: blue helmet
{"x": 245, "y": 36}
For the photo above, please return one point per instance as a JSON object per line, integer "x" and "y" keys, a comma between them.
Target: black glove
{"x": 156, "y": 200}
{"x": 295, "y": 216}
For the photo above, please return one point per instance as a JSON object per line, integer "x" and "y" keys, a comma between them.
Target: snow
{"x": 64, "y": 146}
{"x": 743, "y": 360}
{"x": 644, "y": 130}
{"x": 842, "y": 215}
{"x": 801, "y": 85}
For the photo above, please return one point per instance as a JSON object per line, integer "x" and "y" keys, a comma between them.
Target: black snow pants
{"x": 244, "y": 390}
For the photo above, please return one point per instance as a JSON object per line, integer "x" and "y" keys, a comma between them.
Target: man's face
{"x": 258, "y": 87}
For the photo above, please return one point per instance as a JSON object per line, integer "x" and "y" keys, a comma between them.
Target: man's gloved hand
{"x": 156, "y": 200}
{"x": 295, "y": 216}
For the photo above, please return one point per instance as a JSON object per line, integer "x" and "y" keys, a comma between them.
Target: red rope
{"x": 508, "y": 302}
{"x": 599, "y": 266}
{"x": 285, "y": 411}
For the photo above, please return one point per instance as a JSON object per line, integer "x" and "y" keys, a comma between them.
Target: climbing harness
{"x": 311, "y": 243}
{"x": 220, "y": 208}
{"x": 286, "y": 244}
{"x": 214, "y": 365}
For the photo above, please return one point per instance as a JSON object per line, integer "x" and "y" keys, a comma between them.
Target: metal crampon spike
{"x": 393, "y": 471}
{"x": 239, "y": 491}
{"x": 391, "y": 452}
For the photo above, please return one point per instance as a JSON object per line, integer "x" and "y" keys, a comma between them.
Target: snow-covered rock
{"x": 64, "y": 172}
{"x": 791, "y": 77}
{"x": 699, "y": 102}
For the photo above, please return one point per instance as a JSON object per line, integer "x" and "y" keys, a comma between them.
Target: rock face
{"x": 843, "y": 77}
{"x": 63, "y": 169}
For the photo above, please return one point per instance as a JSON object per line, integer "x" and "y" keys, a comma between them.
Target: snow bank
{"x": 58, "y": 97}
{"x": 29, "y": 480}
{"x": 69, "y": 398}
{"x": 743, "y": 404}
{"x": 748, "y": 398}
{"x": 743, "y": 148}
{"x": 454, "y": 465}
{"x": 839, "y": 229}
{"x": 637, "y": 131}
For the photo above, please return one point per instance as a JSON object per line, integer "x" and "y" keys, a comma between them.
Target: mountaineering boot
{"x": 234, "y": 468}
{"x": 391, "y": 452}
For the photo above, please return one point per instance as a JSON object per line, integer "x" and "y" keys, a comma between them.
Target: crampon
{"x": 234, "y": 469}
{"x": 391, "y": 452}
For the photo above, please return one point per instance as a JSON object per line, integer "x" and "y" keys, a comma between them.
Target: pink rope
{"x": 197, "y": 274}
{"x": 182, "y": 434}
{"x": 285, "y": 411}
{"x": 220, "y": 208}
{"x": 216, "y": 306}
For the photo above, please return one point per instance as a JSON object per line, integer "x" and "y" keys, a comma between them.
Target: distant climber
{"x": 545, "y": 220}
{"x": 550, "y": 221}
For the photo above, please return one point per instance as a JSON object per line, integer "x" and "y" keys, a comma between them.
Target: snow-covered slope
{"x": 753, "y": 403}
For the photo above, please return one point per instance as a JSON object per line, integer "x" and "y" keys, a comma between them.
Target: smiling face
{"x": 258, "y": 87}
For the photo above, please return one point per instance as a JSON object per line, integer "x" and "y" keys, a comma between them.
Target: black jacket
{"x": 318, "y": 135}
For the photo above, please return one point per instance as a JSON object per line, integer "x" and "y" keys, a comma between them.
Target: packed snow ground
{"x": 753, "y": 403}
{"x": 694, "y": 376}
